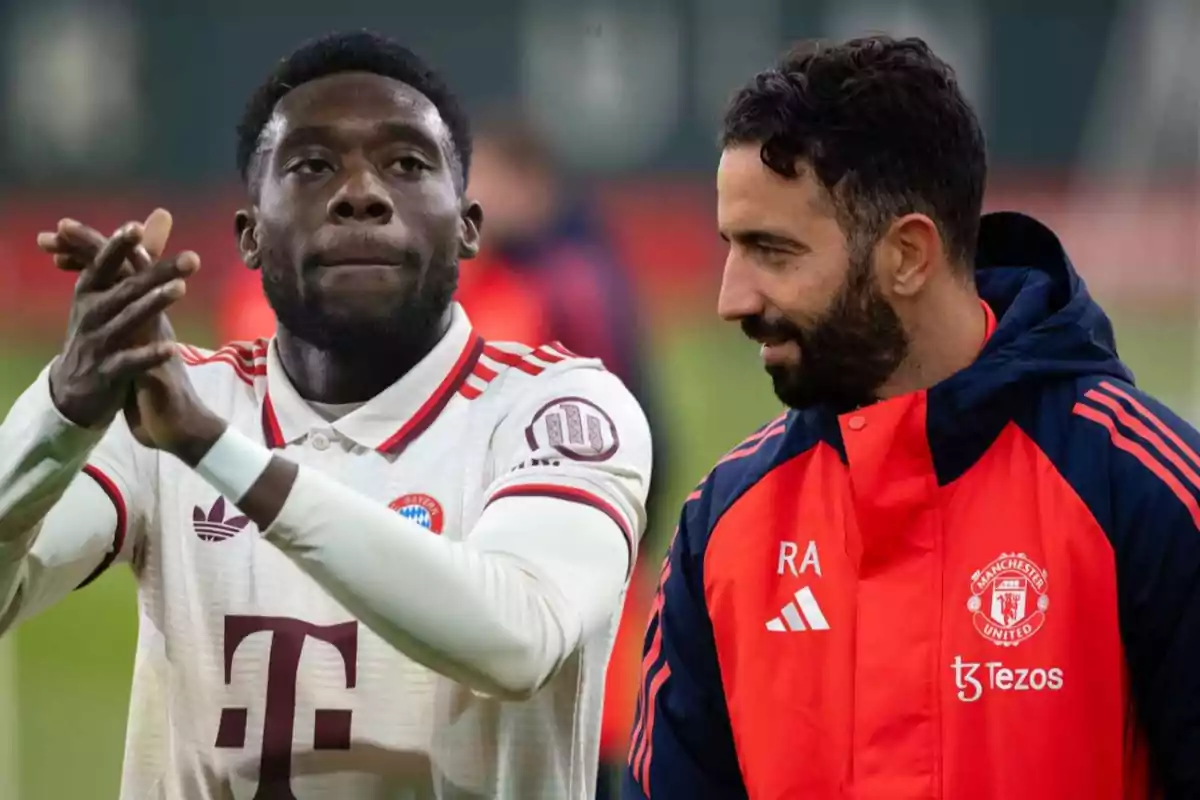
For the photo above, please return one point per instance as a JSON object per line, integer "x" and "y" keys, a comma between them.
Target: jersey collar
{"x": 390, "y": 420}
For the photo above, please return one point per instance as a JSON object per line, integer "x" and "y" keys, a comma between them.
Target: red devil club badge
{"x": 1009, "y": 600}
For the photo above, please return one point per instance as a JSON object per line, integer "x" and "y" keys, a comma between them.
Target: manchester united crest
{"x": 1009, "y": 600}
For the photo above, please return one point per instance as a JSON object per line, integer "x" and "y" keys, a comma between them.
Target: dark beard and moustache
{"x": 411, "y": 328}
{"x": 845, "y": 355}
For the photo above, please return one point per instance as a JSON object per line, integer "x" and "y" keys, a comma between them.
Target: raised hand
{"x": 116, "y": 330}
{"x": 75, "y": 245}
{"x": 159, "y": 401}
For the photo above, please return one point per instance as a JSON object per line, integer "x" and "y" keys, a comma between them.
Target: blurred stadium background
{"x": 110, "y": 107}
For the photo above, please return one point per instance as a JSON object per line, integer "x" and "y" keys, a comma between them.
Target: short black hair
{"x": 358, "y": 51}
{"x": 884, "y": 128}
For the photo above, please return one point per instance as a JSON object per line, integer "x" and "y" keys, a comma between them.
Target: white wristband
{"x": 233, "y": 464}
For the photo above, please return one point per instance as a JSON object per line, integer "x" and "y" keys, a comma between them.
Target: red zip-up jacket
{"x": 989, "y": 590}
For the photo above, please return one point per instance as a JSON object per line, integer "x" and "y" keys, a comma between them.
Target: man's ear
{"x": 244, "y": 224}
{"x": 916, "y": 248}
{"x": 470, "y": 227}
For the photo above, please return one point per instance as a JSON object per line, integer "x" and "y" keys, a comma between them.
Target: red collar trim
{"x": 990, "y": 325}
{"x": 437, "y": 401}
{"x": 422, "y": 419}
{"x": 272, "y": 433}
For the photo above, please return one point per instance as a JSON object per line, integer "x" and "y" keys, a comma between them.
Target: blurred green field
{"x": 63, "y": 725}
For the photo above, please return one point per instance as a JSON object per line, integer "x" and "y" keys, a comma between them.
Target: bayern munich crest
{"x": 576, "y": 428}
{"x": 421, "y": 509}
{"x": 1009, "y": 600}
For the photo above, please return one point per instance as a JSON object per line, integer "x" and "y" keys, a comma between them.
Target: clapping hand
{"x": 120, "y": 352}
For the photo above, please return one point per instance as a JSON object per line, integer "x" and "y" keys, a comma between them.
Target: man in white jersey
{"x": 377, "y": 556}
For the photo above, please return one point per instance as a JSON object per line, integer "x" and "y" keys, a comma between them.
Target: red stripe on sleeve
{"x": 573, "y": 495}
{"x": 648, "y": 692}
{"x": 642, "y": 771}
{"x": 545, "y": 353}
{"x": 481, "y": 372}
{"x": 193, "y": 359}
{"x": 765, "y": 430}
{"x": 528, "y": 368}
{"x": 560, "y": 348}
{"x": 751, "y": 444}
{"x": 696, "y": 494}
{"x": 246, "y": 363}
{"x": 502, "y": 356}
{"x": 743, "y": 451}
{"x": 1154, "y": 420}
{"x": 1137, "y": 426}
{"x": 512, "y": 360}
{"x": 114, "y": 494}
{"x": 249, "y": 351}
{"x": 1140, "y": 453}
{"x": 484, "y": 372}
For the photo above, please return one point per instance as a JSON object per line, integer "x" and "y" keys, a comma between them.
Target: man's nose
{"x": 363, "y": 198}
{"x": 739, "y": 297}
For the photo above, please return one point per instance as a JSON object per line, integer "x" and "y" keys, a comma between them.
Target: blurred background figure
{"x": 549, "y": 271}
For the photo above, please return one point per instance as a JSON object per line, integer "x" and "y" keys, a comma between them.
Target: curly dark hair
{"x": 359, "y": 51}
{"x": 884, "y": 128}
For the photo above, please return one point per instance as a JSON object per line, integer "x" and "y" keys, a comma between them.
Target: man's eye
{"x": 312, "y": 166}
{"x": 772, "y": 257}
{"x": 408, "y": 164}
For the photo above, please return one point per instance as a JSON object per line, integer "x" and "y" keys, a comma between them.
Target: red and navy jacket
{"x": 988, "y": 590}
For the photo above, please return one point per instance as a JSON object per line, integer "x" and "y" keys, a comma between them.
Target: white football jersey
{"x": 251, "y": 682}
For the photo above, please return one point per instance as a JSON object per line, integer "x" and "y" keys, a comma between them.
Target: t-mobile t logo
{"x": 971, "y": 681}
{"x": 332, "y": 727}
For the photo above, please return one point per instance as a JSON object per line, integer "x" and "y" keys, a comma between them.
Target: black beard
{"x": 411, "y": 327}
{"x": 846, "y": 355}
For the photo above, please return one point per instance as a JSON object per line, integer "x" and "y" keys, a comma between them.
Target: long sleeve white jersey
{"x": 431, "y": 614}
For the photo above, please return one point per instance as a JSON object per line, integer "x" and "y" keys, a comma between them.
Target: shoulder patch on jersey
{"x": 248, "y": 360}
{"x": 574, "y": 427}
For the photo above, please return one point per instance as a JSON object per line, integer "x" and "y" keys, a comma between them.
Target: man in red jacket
{"x": 966, "y": 564}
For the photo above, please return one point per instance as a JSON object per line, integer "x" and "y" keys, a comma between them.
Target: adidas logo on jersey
{"x": 213, "y": 526}
{"x": 801, "y": 614}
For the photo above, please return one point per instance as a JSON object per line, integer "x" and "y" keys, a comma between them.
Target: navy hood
{"x": 1049, "y": 334}
{"x": 1048, "y": 327}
